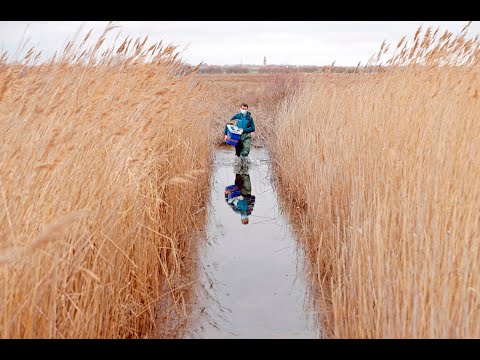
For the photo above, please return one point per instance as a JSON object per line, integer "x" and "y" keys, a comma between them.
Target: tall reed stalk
{"x": 103, "y": 181}
{"x": 383, "y": 171}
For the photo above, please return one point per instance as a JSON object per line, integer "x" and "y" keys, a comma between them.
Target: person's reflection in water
{"x": 239, "y": 196}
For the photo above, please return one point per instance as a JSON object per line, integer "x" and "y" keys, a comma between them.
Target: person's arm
{"x": 251, "y": 128}
{"x": 236, "y": 116}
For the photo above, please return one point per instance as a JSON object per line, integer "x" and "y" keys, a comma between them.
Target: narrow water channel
{"x": 252, "y": 283}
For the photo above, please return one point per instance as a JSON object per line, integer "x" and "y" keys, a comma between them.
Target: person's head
{"x": 243, "y": 108}
{"x": 244, "y": 219}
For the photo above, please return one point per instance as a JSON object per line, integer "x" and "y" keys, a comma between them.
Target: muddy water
{"x": 252, "y": 280}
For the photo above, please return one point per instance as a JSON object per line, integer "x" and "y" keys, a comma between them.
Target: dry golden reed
{"x": 383, "y": 170}
{"x": 262, "y": 93}
{"x": 98, "y": 210}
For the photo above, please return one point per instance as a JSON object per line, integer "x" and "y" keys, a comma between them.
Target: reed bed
{"x": 262, "y": 92}
{"x": 381, "y": 174}
{"x": 103, "y": 182}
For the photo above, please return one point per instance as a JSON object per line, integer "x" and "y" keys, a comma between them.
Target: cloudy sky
{"x": 230, "y": 42}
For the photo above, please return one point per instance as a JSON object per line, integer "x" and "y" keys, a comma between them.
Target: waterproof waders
{"x": 242, "y": 149}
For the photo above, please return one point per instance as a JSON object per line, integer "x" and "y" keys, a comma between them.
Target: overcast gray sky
{"x": 230, "y": 42}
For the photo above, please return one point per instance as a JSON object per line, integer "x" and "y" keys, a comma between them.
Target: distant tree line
{"x": 269, "y": 69}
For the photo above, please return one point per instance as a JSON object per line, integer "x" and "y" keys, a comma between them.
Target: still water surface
{"x": 252, "y": 283}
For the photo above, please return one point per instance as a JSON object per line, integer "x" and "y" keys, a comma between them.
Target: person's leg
{"x": 245, "y": 147}
{"x": 246, "y": 188}
{"x": 238, "y": 147}
{"x": 239, "y": 182}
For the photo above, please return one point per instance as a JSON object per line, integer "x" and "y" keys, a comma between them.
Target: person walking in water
{"x": 240, "y": 198}
{"x": 243, "y": 120}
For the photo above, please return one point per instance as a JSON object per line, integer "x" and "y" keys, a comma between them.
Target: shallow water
{"x": 252, "y": 282}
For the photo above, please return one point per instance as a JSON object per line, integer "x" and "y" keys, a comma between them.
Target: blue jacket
{"x": 243, "y": 207}
{"x": 244, "y": 121}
